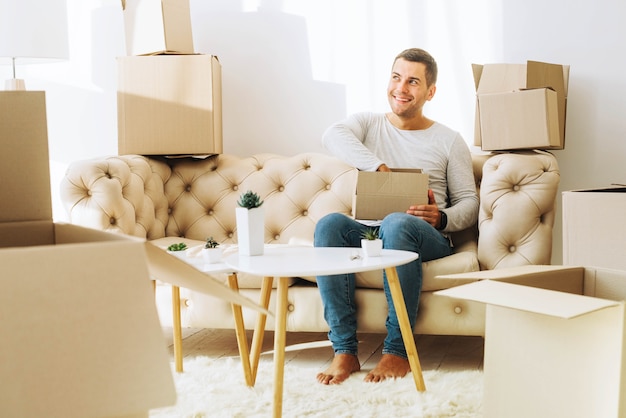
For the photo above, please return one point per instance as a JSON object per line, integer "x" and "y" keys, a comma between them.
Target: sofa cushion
{"x": 297, "y": 191}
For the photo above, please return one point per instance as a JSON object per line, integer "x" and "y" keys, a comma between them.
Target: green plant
{"x": 249, "y": 200}
{"x": 370, "y": 234}
{"x": 211, "y": 243}
{"x": 181, "y": 246}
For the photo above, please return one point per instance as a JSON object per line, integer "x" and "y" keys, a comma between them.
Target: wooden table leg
{"x": 405, "y": 327}
{"x": 177, "y": 329}
{"x": 279, "y": 345}
{"x": 259, "y": 328}
{"x": 250, "y": 359}
{"x": 240, "y": 332}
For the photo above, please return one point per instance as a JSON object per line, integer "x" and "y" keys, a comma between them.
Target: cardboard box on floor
{"x": 157, "y": 27}
{"x": 380, "y": 193}
{"x": 520, "y": 106}
{"x": 169, "y": 105}
{"x": 593, "y": 231}
{"x": 81, "y": 335}
{"x": 550, "y": 353}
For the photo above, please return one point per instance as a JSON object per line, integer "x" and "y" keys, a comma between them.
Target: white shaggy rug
{"x": 215, "y": 388}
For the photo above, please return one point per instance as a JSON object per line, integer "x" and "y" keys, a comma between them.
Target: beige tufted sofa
{"x": 189, "y": 200}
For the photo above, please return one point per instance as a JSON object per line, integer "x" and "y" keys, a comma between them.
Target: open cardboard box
{"x": 550, "y": 353}
{"x": 590, "y": 217}
{"x": 520, "y": 106}
{"x": 380, "y": 193}
{"x": 81, "y": 335}
{"x": 157, "y": 27}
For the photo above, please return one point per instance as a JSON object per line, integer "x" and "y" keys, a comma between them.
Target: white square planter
{"x": 372, "y": 247}
{"x": 250, "y": 230}
{"x": 212, "y": 255}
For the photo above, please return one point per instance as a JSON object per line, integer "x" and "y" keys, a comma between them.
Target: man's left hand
{"x": 429, "y": 213}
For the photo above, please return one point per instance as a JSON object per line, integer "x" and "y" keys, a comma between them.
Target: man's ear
{"x": 431, "y": 92}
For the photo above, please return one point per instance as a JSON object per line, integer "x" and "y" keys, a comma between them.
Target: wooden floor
{"x": 313, "y": 349}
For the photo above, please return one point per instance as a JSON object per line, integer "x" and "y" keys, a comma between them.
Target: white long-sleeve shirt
{"x": 366, "y": 140}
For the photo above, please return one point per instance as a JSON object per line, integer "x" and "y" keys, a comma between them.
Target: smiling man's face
{"x": 408, "y": 90}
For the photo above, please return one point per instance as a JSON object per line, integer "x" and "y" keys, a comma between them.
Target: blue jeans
{"x": 398, "y": 231}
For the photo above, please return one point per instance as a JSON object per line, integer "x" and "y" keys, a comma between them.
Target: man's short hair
{"x": 419, "y": 55}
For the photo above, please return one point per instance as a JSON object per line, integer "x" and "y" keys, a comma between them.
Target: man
{"x": 405, "y": 138}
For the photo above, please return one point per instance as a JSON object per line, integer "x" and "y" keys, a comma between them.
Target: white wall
{"x": 292, "y": 67}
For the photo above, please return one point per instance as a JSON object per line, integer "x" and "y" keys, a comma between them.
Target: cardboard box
{"x": 80, "y": 326}
{"x": 169, "y": 105}
{"x": 379, "y": 193}
{"x": 157, "y": 27}
{"x": 549, "y": 353}
{"x": 593, "y": 231}
{"x": 520, "y": 106}
{"x": 78, "y": 317}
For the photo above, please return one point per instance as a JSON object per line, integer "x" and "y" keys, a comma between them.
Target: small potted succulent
{"x": 250, "y": 219}
{"x": 249, "y": 200}
{"x": 212, "y": 252}
{"x": 370, "y": 242}
{"x": 178, "y": 249}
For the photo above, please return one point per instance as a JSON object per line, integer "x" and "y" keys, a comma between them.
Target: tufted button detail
{"x": 276, "y": 237}
{"x": 291, "y": 308}
{"x": 210, "y": 212}
{"x": 112, "y": 221}
{"x": 516, "y": 188}
{"x": 458, "y": 310}
{"x": 188, "y": 303}
{"x": 89, "y": 193}
{"x": 188, "y": 188}
{"x": 235, "y": 188}
{"x": 328, "y": 187}
{"x": 169, "y": 211}
{"x": 108, "y": 175}
{"x": 305, "y": 213}
{"x": 281, "y": 189}
{"x": 230, "y": 235}
{"x": 512, "y": 249}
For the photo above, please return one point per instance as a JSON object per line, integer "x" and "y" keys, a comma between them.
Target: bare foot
{"x": 389, "y": 367}
{"x": 340, "y": 369}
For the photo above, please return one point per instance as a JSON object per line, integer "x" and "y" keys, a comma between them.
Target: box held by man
{"x": 380, "y": 193}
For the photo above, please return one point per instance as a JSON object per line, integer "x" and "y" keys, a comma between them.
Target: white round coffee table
{"x": 284, "y": 262}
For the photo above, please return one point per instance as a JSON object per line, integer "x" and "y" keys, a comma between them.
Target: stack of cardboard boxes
{"x": 83, "y": 336}
{"x": 169, "y": 97}
{"x": 520, "y": 106}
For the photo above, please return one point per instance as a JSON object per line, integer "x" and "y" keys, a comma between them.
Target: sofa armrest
{"x": 517, "y": 209}
{"x": 122, "y": 194}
